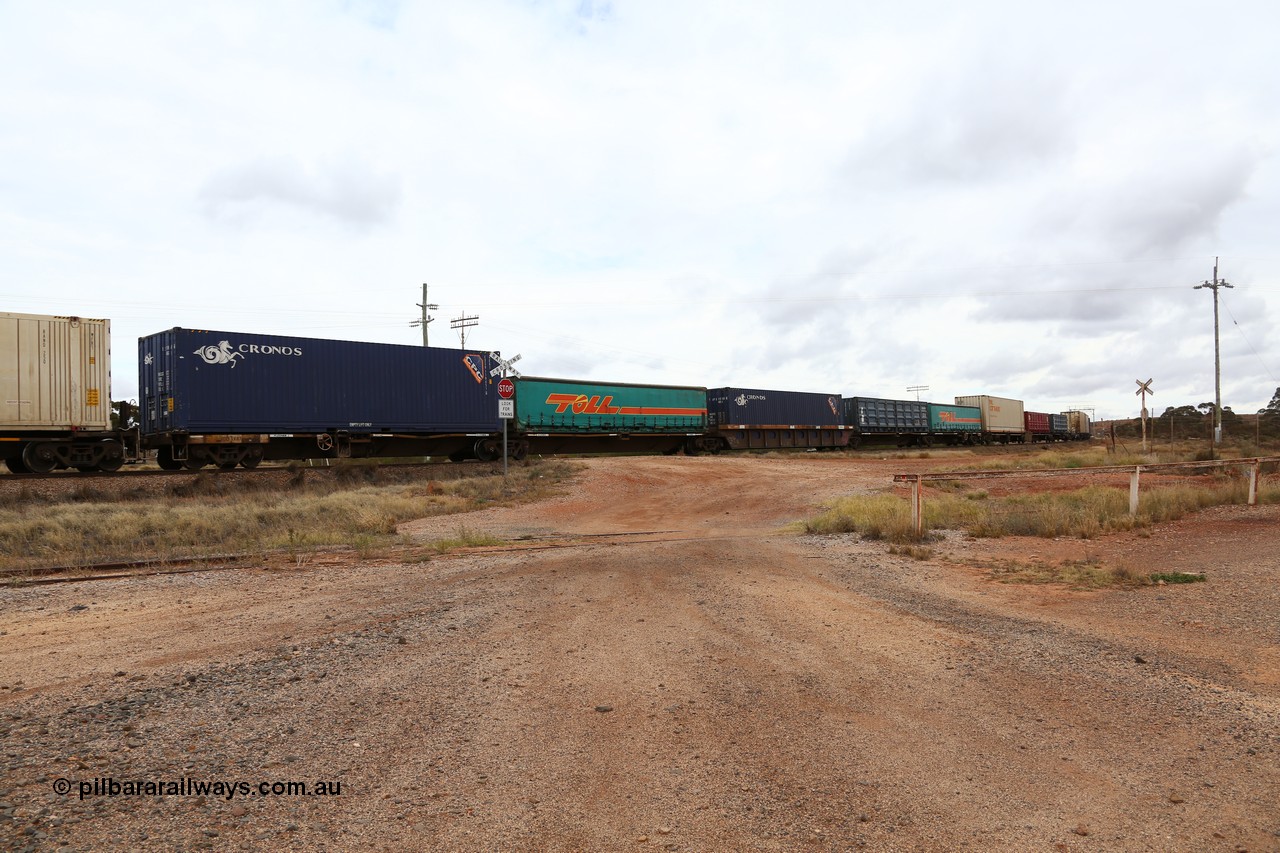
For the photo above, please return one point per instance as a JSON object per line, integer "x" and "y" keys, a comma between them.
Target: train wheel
{"x": 112, "y": 456}
{"x": 252, "y": 457}
{"x": 14, "y": 464}
{"x": 520, "y": 452}
{"x": 39, "y": 458}
{"x": 164, "y": 458}
{"x": 488, "y": 450}
{"x": 192, "y": 462}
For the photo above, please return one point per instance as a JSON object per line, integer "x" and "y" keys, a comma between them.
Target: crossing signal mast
{"x": 1144, "y": 388}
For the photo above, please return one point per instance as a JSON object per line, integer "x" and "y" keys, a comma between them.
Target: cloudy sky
{"x": 1009, "y": 198}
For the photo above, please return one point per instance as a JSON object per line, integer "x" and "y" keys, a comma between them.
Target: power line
{"x": 1254, "y": 349}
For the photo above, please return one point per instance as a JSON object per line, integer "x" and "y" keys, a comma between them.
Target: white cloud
{"x": 830, "y": 196}
{"x": 349, "y": 192}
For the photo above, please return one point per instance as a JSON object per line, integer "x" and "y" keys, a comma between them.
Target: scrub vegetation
{"x": 210, "y": 515}
{"x": 1083, "y": 513}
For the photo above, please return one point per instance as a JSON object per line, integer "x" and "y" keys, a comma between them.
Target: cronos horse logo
{"x": 220, "y": 354}
{"x": 225, "y": 353}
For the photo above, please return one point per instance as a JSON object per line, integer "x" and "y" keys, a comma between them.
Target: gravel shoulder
{"x": 658, "y": 662}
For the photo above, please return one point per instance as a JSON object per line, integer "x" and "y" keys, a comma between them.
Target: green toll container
{"x": 945, "y": 418}
{"x": 561, "y": 406}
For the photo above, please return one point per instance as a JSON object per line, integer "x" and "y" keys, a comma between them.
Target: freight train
{"x": 225, "y": 399}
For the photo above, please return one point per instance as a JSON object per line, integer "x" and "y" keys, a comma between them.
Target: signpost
{"x": 506, "y": 395}
{"x": 1144, "y": 388}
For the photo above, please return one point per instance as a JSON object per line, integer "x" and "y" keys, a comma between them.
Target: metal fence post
{"x": 1133, "y": 491}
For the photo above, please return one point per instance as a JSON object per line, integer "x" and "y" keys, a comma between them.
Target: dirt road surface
{"x": 655, "y": 662}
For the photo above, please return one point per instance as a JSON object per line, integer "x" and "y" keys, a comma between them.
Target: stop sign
{"x": 506, "y": 389}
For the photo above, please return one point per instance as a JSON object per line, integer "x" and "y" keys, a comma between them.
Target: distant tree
{"x": 1274, "y": 406}
{"x": 1181, "y": 422}
{"x": 1230, "y": 420}
{"x": 1269, "y": 417}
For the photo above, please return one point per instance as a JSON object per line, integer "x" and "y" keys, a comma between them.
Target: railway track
{"x": 89, "y": 476}
{"x": 124, "y": 569}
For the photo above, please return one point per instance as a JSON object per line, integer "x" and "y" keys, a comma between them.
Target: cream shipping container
{"x": 1000, "y": 415}
{"x": 55, "y": 389}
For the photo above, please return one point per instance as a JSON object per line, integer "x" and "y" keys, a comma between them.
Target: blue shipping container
{"x": 227, "y": 382}
{"x": 753, "y": 407}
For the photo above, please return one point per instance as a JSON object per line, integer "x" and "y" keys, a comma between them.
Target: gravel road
{"x": 657, "y": 663}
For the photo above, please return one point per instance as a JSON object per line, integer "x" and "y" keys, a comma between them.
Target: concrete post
{"x": 917, "y": 509}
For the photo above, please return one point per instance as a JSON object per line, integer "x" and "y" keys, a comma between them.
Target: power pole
{"x": 1217, "y": 360}
{"x": 917, "y": 389}
{"x": 462, "y": 324}
{"x": 426, "y": 318}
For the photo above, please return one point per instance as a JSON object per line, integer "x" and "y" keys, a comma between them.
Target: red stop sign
{"x": 506, "y": 389}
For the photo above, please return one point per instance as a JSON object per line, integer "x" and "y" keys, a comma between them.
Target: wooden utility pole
{"x": 1217, "y": 360}
{"x": 462, "y": 324}
{"x": 426, "y": 318}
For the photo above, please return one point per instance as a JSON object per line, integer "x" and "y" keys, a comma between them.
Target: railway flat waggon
{"x": 231, "y": 398}
{"x": 576, "y": 416}
{"x": 903, "y": 422}
{"x": 1002, "y": 420}
{"x": 1037, "y": 426}
{"x": 758, "y": 419}
{"x": 955, "y": 424}
{"x": 55, "y": 394}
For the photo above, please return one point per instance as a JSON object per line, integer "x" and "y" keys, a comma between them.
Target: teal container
{"x": 945, "y": 418}
{"x": 562, "y": 406}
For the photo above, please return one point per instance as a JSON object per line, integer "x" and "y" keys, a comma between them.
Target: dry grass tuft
{"x": 211, "y": 515}
{"x": 1090, "y": 573}
{"x": 1084, "y": 513}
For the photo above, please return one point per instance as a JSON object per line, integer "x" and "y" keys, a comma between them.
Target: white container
{"x": 999, "y": 414}
{"x": 55, "y": 374}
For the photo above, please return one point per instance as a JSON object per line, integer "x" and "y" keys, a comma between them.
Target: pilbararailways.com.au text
{"x": 227, "y": 789}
